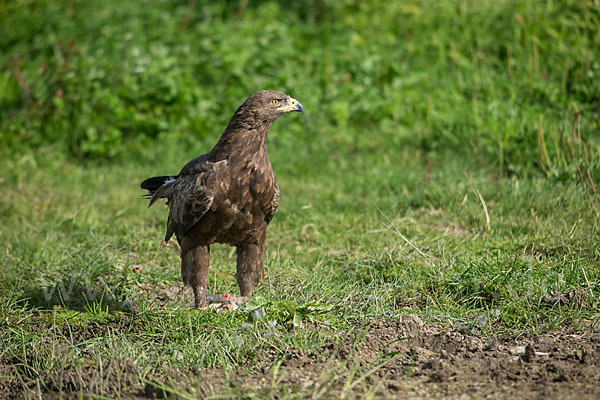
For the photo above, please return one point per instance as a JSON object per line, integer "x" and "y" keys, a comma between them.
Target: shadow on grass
{"x": 78, "y": 293}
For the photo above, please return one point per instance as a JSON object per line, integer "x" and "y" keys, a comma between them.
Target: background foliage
{"x": 110, "y": 80}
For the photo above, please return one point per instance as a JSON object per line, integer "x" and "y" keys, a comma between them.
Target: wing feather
{"x": 162, "y": 191}
{"x": 191, "y": 197}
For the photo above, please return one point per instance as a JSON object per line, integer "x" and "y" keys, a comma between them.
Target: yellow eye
{"x": 275, "y": 102}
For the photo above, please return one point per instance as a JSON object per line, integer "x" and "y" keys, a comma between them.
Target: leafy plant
{"x": 289, "y": 313}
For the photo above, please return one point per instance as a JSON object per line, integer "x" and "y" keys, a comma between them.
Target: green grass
{"x": 440, "y": 169}
{"x": 338, "y": 256}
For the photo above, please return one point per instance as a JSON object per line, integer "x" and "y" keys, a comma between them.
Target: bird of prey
{"x": 228, "y": 195}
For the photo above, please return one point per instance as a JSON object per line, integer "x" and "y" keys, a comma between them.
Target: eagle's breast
{"x": 247, "y": 200}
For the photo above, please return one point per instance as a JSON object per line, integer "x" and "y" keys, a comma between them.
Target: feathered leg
{"x": 250, "y": 267}
{"x": 194, "y": 271}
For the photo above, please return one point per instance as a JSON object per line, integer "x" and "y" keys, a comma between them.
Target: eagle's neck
{"x": 243, "y": 138}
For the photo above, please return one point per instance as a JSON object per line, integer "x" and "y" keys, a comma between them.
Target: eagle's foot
{"x": 199, "y": 297}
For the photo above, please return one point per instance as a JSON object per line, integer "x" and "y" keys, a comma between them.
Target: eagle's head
{"x": 268, "y": 105}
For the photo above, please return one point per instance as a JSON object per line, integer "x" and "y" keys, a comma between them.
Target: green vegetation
{"x": 448, "y": 165}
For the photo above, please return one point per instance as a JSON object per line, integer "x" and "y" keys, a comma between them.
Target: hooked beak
{"x": 292, "y": 105}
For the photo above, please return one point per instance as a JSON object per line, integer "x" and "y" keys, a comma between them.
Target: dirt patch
{"x": 574, "y": 298}
{"x": 409, "y": 359}
{"x": 405, "y": 358}
{"x": 99, "y": 378}
{"x": 444, "y": 362}
{"x": 163, "y": 296}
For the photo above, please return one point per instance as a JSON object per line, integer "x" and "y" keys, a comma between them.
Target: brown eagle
{"x": 227, "y": 195}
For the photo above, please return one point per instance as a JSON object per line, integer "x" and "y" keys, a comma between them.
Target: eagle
{"x": 228, "y": 195}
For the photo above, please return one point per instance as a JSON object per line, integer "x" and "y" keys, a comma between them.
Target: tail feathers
{"x": 151, "y": 184}
{"x": 158, "y": 187}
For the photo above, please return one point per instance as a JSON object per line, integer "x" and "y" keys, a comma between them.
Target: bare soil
{"x": 412, "y": 360}
{"x": 405, "y": 359}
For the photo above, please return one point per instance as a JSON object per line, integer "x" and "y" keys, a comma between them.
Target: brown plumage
{"x": 227, "y": 195}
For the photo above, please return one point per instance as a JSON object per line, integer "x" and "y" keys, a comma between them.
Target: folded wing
{"x": 191, "y": 196}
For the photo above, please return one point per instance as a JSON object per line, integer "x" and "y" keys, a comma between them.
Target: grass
{"x": 454, "y": 176}
{"x": 347, "y": 248}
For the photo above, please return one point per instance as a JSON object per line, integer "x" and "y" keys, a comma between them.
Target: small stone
{"x": 259, "y": 314}
{"x": 546, "y": 339}
{"x": 517, "y": 350}
{"x": 482, "y": 320}
{"x": 410, "y": 319}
